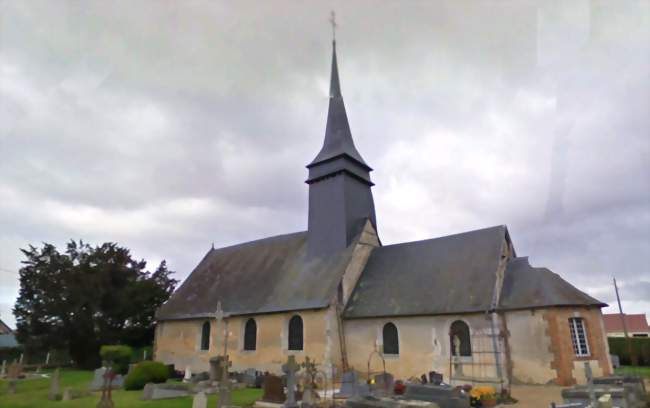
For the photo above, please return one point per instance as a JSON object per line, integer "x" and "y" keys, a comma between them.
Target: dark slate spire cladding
{"x": 339, "y": 180}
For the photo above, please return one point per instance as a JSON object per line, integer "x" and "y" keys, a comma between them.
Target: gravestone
{"x": 3, "y": 370}
{"x": 351, "y": 387}
{"x": 224, "y": 384}
{"x": 153, "y": 391}
{"x": 633, "y": 383}
{"x": 106, "y": 400}
{"x": 309, "y": 396}
{"x": 616, "y": 361}
{"x": 98, "y": 380}
{"x": 47, "y": 358}
{"x": 259, "y": 379}
{"x": 605, "y": 401}
{"x": 200, "y": 400}
{"x": 435, "y": 378}
{"x": 290, "y": 369}
{"x": 372, "y": 402}
{"x": 443, "y": 395}
{"x": 215, "y": 368}
{"x": 55, "y": 391}
{"x": 147, "y": 391}
{"x": 12, "y": 385}
{"x": 66, "y": 394}
{"x": 384, "y": 383}
{"x": 188, "y": 375}
{"x": 273, "y": 389}
{"x": 15, "y": 370}
{"x": 249, "y": 377}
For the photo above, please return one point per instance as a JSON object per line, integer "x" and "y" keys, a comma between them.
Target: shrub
{"x": 146, "y": 372}
{"x": 119, "y": 356}
{"x": 640, "y": 345}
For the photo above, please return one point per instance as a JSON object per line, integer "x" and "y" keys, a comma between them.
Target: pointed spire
{"x": 335, "y": 86}
{"x": 338, "y": 137}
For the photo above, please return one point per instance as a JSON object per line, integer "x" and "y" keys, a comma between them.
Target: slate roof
{"x": 526, "y": 287}
{"x": 338, "y": 137}
{"x": 269, "y": 275}
{"x": 447, "y": 275}
{"x": 455, "y": 274}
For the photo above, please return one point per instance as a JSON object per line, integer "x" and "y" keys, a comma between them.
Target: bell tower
{"x": 340, "y": 198}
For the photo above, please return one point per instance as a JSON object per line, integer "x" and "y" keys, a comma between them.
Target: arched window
{"x": 391, "y": 340}
{"x": 295, "y": 333}
{"x": 459, "y": 338}
{"x": 205, "y": 336}
{"x": 250, "y": 335}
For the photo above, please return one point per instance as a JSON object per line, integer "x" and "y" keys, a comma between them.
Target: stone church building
{"x": 465, "y": 305}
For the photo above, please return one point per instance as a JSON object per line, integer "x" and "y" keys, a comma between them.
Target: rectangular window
{"x": 579, "y": 337}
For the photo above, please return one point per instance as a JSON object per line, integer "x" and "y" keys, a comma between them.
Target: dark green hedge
{"x": 118, "y": 355}
{"x": 640, "y": 345}
{"x": 146, "y": 372}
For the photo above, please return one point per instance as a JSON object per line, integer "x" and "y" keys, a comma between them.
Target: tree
{"x": 86, "y": 297}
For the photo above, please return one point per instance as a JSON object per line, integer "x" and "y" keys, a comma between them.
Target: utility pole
{"x": 630, "y": 349}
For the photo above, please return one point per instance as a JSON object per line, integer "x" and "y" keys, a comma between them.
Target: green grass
{"x": 33, "y": 394}
{"x": 636, "y": 370}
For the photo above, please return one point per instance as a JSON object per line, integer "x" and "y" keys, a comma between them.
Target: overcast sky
{"x": 167, "y": 126}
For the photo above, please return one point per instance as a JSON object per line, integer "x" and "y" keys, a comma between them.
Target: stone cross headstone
{"x": 188, "y": 374}
{"x": 273, "y": 389}
{"x": 215, "y": 368}
{"x": 200, "y": 400}
{"x": 290, "y": 369}
{"x": 106, "y": 400}
{"x": 224, "y": 385}
{"x": 12, "y": 386}
{"x": 309, "y": 396}
{"x": 53, "y": 395}
{"x": 14, "y": 371}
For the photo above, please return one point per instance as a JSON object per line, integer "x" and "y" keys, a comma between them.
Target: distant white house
{"x": 637, "y": 325}
{"x": 7, "y": 338}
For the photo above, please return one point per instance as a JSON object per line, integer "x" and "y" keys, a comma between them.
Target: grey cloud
{"x": 169, "y": 126}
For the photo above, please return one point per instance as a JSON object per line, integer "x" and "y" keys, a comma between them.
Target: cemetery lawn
{"x": 636, "y": 370}
{"x": 33, "y": 394}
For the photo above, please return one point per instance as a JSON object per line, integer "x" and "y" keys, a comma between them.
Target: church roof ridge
{"x": 257, "y": 241}
{"x": 458, "y": 234}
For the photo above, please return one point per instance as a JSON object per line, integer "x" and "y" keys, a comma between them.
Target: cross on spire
{"x": 333, "y": 23}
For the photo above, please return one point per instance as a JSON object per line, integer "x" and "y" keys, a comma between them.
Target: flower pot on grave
{"x": 489, "y": 402}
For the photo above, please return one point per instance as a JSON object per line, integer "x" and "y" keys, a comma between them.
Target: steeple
{"x": 338, "y": 137}
{"x": 340, "y": 196}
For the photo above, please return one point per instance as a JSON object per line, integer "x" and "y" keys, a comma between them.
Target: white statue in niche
{"x": 458, "y": 367}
